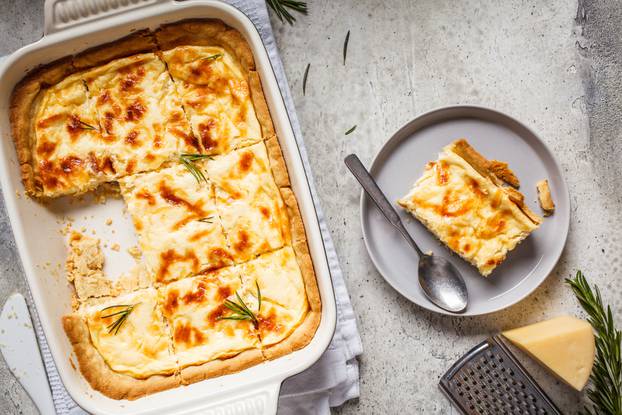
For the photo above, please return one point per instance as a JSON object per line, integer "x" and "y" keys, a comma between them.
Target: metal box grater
{"x": 489, "y": 380}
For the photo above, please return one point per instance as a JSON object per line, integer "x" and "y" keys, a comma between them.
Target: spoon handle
{"x": 371, "y": 188}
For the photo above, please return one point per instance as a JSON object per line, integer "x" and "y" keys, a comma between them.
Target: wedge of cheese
{"x": 565, "y": 345}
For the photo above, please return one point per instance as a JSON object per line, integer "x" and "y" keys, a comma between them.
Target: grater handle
{"x": 64, "y": 14}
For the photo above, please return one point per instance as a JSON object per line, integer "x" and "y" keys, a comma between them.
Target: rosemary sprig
{"x": 212, "y": 57}
{"x": 195, "y": 157}
{"x": 280, "y": 9}
{"x": 188, "y": 161}
{"x": 345, "y": 47}
{"x": 209, "y": 219}
{"x": 121, "y": 315}
{"x": 304, "y": 79}
{"x": 606, "y": 389}
{"x": 351, "y": 130}
{"x": 241, "y": 310}
{"x": 86, "y": 126}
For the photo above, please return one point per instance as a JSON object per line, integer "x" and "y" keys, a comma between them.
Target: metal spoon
{"x": 440, "y": 280}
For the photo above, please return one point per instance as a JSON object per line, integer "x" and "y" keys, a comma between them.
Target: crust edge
{"x": 99, "y": 375}
{"x": 304, "y": 333}
{"x": 206, "y": 32}
{"x": 277, "y": 162}
{"x": 221, "y": 367}
{"x": 21, "y": 108}
{"x": 262, "y": 112}
{"x": 138, "y": 42}
{"x": 487, "y": 168}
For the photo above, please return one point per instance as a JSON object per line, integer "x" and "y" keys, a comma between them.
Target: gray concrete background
{"x": 553, "y": 64}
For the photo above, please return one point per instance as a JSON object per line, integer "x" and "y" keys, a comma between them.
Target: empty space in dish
{"x": 496, "y": 136}
{"x": 105, "y": 219}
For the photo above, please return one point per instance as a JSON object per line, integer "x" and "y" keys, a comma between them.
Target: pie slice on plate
{"x": 462, "y": 199}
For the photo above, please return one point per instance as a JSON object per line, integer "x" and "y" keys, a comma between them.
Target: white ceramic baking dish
{"x": 72, "y": 26}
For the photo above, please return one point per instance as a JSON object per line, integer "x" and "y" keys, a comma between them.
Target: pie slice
{"x": 215, "y": 95}
{"x": 468, "y": 207}
{"x": 177, "y": 222}
{"x": 214, "y": 72}
{"x": 249, "y": 203}
{"x": 98, "y": 125}
{"x": 131, "y": 334}
{"x": 139, "y": 114}
{"x": 67, "y": 152}
{"x": 195, "y": 308}
{"x": 124, "y": 360}
{"x": 276, "y": 278}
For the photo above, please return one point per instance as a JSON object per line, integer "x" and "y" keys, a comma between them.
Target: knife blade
{"x": 20, "y": 349}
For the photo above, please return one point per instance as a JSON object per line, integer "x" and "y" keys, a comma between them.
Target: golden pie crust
{"x": 24, "y": 102}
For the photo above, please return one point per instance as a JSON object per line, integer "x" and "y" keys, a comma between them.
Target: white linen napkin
{"x": 334, "y": 378}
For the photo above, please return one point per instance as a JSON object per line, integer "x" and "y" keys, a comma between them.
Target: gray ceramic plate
{"x": 498, "y": 136}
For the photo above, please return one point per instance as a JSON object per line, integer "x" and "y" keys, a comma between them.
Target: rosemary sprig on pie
{"x": 606, "y": 389}
{"x": 120, "y": 315}
{"x": 241, "y": 310}
{"x": 212, "y": 57}
{"x": 188, "y": 161}
{"x": 86, "y": 126}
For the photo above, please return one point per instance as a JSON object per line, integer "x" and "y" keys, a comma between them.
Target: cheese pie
{"x": 176, "y": 117}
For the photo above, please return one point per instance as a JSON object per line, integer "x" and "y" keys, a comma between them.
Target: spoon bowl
{"x": 442, "y": 283}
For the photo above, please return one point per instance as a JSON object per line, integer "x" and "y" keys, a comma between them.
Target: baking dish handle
{"x": 261, "y": 400}
{"x": 63, "y": 14}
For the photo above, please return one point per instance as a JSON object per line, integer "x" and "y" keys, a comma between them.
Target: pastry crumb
{"x": 65, "y": 230}
{"x": 85, "y": 265}
{"x": 134, "y": 251}
{"x": 115, "y": 247}
{"x": 545, "y": 198}
{"x": 109, "y": 221}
